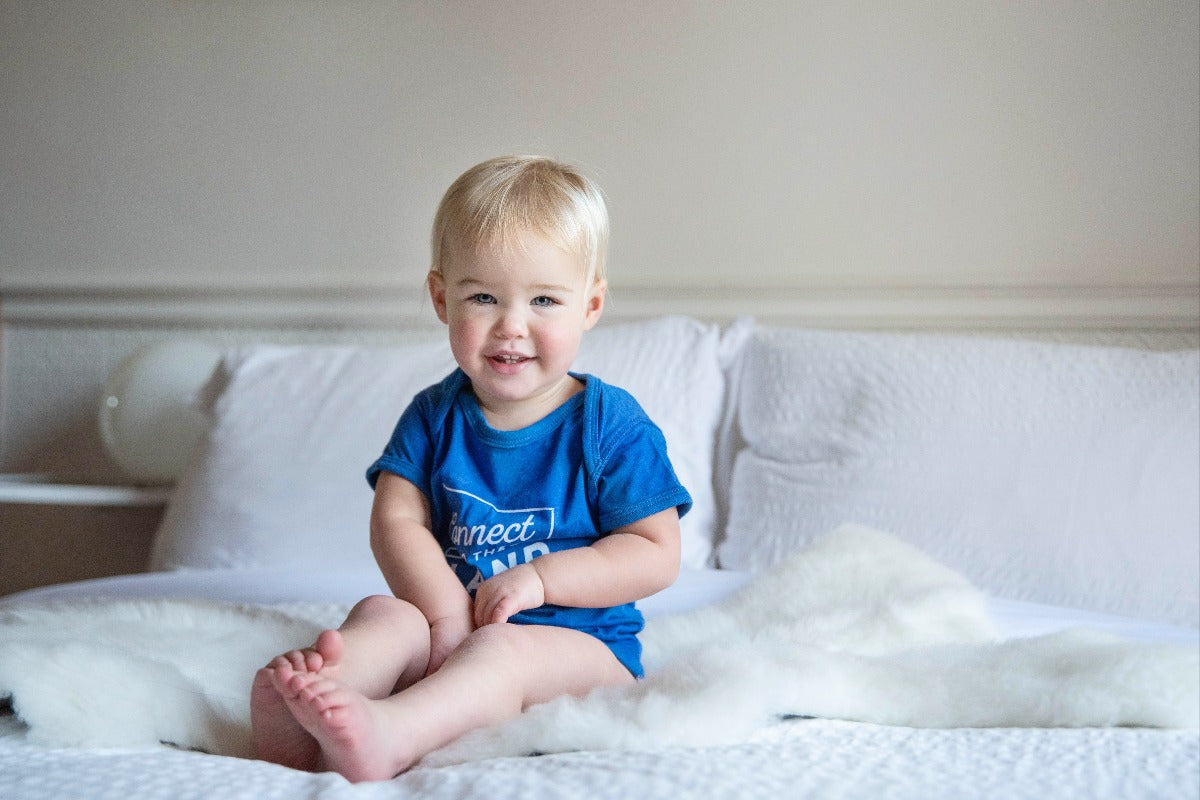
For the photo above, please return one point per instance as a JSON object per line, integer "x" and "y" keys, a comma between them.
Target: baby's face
{"x": 516, "y": 316}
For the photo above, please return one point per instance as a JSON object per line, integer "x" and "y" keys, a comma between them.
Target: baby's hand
{"x": 508, "y": 592}
{"x": 445, "y": 635}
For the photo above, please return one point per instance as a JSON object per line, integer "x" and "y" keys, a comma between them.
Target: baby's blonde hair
{"x": 498, "y": 201}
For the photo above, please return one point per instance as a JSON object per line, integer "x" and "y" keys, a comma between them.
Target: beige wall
{"x": 241, "y": 170}
{"x": 796, "y": 144}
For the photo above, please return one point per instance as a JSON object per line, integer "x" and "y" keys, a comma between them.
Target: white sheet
{"x": 694, "y": 588}
{"x": 825, "y": 759}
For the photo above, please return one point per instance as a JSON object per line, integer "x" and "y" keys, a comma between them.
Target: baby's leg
{"x": 497, "y": 672}
{"x": 383, "y": 644}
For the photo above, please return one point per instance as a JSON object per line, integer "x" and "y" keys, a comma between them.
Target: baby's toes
{"x": 313, "y": 661}
{"x": 294, "y": 660}
{"x": 300, "y": 684}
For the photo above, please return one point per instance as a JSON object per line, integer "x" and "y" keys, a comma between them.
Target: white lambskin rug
{"x": 859, "y": 627}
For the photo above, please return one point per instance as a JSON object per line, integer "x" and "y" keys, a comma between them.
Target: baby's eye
{"x": 483, "y": 298}
{"x": 544, "y": 302}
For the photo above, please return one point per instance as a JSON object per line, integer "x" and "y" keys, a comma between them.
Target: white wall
{"x": 793, "y": 144}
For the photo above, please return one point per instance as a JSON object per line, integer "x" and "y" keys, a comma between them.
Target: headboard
{"x": 60, "y": 347}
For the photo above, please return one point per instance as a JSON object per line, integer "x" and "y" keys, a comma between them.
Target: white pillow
{"x": 279, "y": 478}
{"x": 1054, "y": 473}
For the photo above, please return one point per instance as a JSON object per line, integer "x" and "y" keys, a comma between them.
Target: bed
{"x": 919, "y": 566}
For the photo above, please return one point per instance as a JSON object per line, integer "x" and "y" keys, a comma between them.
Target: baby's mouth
{"x": 509, "y": 358}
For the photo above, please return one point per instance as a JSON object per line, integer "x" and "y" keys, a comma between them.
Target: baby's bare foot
{"x": 355, "y": 735}
{"x": 278, "y": 737}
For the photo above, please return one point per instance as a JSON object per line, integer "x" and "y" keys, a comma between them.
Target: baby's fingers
{"x": 502, "y": 610}
{"x": 506, "y": 594}
{"x": 490, "y": 609}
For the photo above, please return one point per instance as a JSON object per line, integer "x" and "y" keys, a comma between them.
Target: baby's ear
{"x": 595, "y": 303}
{"x": 437, "y": 293}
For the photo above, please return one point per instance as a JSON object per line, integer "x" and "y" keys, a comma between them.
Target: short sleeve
{"x": 409, "y": 453}
{"x": 633, "y": 476}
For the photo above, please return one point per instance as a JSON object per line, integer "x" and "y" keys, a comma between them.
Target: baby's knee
{"x": 502, "y": 641}
{"x": 387, "y": 609}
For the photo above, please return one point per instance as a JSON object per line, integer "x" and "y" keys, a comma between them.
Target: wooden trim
{"x": 933, "y": 308}
{"x": 44, "y": 489}
{"x": 1155, "y": 307}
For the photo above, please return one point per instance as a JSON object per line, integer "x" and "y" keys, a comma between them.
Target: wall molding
{"x": 1060, "y": 307}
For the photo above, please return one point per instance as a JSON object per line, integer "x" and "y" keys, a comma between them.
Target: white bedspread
{"x": 860, "y": 627}
{"x": 793, "y": 760}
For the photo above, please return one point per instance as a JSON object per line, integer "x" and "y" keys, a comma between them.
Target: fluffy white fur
{"x": 135, "y": 672}
{"x": 859, "y": 627}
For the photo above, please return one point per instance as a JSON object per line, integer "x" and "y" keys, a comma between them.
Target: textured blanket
{"x": 859, "y": 627}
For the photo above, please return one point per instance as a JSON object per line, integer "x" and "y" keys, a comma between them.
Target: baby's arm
{"x": 628, "y": 564}
{"x": 414, "y": 566}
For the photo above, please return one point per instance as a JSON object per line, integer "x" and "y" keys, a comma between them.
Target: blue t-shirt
{"x": 502, "y": 498}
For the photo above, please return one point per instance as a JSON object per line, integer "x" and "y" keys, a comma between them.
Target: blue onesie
{"x": 502, "y": 498}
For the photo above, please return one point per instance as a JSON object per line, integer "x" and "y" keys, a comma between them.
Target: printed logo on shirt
{"x": 494, "y": 539}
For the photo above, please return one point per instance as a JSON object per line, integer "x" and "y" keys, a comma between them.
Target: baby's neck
{"x": 514, "y": 415}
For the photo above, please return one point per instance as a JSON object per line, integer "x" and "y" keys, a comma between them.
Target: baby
{"x": 520, "y": 509}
